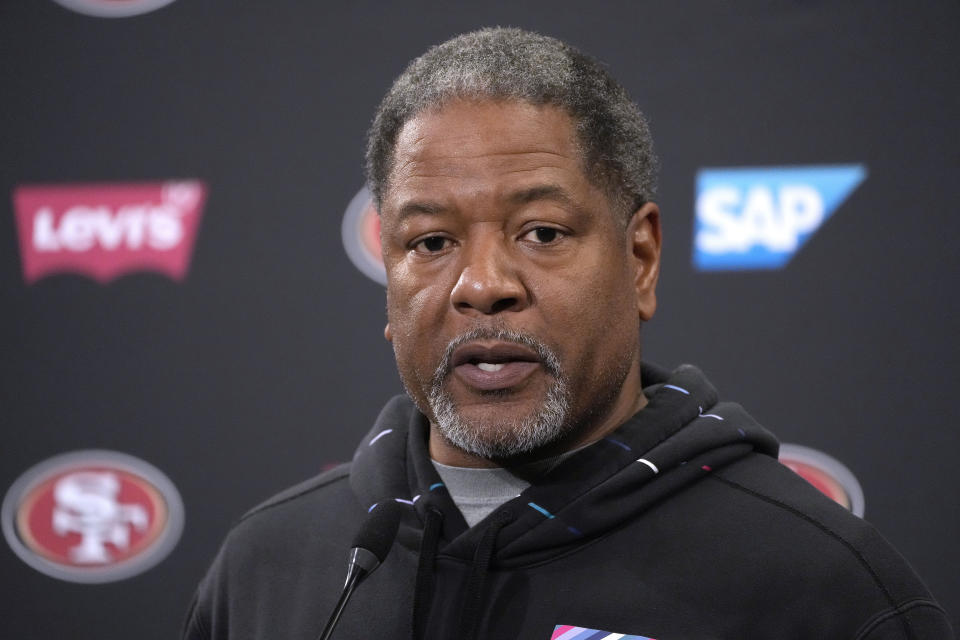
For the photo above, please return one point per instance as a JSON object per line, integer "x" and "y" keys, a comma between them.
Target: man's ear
{"x": 387, "y": 333}
{"x": 644, "y": 241}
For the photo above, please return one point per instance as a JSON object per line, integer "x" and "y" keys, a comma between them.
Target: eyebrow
{"x": 420, "y": 208}
{"x": 552, "y": 192}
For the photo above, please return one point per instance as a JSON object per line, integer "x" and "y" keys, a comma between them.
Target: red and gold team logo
{"x": 92, "y": 516}
{"x": 826, "y": 473}
{"x": 361, "y": 236}
{"x": 113, "y": 8}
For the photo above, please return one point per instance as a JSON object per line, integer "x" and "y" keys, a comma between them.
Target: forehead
{"x": 480, "y": 144}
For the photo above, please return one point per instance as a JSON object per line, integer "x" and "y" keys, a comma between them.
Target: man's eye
{"x": 432, "y": 244}
{"x": 543, "y": 235}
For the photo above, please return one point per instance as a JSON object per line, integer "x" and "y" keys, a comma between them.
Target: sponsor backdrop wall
{"x": 192, "y": 308}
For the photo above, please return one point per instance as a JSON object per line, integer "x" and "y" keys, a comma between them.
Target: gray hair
{"x": 512, "y": 64}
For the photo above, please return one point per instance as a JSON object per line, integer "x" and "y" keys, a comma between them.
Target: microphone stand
{"x": 362, "y": 563}
{"x": 370, "y": 547}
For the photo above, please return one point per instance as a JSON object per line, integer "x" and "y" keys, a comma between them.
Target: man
{"x": 552, "y": 486}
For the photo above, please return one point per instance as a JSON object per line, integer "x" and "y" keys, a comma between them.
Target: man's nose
{"x": 489, "y": 281}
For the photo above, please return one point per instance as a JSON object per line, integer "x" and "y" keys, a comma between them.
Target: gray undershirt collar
{"x": 478, "y": 492}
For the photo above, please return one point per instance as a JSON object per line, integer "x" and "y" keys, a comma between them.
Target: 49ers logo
{"x": 361, "y": 236}
{"x": 105, "y": 231}
{"x": 826, "y": 473}
{"x": 92, "y": 516}
{"x": 113, "y": 8}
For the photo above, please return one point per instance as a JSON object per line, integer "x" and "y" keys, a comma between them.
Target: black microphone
{"x": 370, "y": 547}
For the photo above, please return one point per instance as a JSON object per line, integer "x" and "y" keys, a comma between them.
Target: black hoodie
{"x": 679, "y": 525}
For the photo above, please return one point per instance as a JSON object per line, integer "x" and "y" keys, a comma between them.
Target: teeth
{"x": 490, "y": 366}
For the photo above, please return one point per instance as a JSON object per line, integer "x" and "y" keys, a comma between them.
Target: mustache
{"x": 548, "y": 358}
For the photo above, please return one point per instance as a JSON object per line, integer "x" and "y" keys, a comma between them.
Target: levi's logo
{"x": 104, "y": 231}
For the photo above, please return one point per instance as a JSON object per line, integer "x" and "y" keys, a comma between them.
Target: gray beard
{"x": 503, "y": 439}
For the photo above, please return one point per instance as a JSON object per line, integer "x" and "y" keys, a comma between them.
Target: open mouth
{"x": 494, "y": 365}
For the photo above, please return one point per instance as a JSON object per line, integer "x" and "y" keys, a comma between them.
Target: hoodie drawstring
{"x": 423, "y": 587}
{"x": 482, "y": 557}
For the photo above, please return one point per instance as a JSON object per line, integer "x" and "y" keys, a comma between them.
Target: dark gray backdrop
{"x": 268, "y": 361}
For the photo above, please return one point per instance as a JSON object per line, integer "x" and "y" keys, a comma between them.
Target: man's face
{"x": 514, "y": 292}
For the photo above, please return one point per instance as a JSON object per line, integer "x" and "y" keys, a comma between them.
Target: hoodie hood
{"x": 682, "y": 434}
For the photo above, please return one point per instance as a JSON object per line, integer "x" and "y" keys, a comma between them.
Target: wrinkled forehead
{"x": 476, "y": 141}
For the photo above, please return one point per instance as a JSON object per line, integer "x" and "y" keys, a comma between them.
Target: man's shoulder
{"x": 796, "y": 529}
{"x": 293, "y": 543}
{"x": 322, "y": 487}
{"x": 317, "y": 508}
{"x": 761, "y": 490}
{"x": 775, "y": 491}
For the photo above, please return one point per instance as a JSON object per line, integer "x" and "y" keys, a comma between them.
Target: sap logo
{"x": 757, "y": 218}
{"x": 107, "y": 230}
